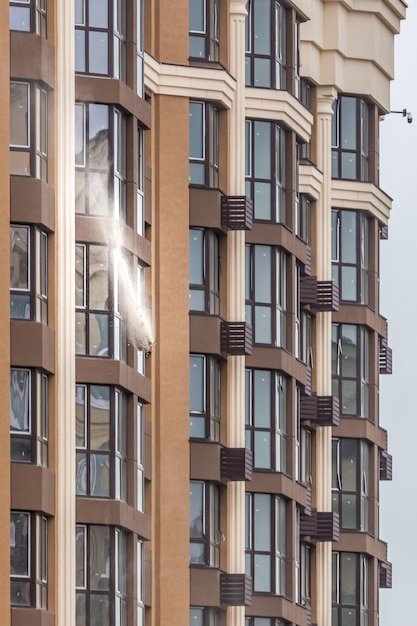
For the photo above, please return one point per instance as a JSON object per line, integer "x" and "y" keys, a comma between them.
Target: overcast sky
{"x": 398, "y": 507}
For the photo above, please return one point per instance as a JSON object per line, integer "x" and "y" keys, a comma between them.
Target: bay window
{"x": 29, "y": 410}
{"x": 204, "y": 524}
{"x": 204, "y": 30}
{"x": 204, "y": 144}
{"x": 265, "y": 169}
{"x": 266, "y": 418}
{"x": 350, "y": 138}
{"x": 28, "y": 273}
{"x": 100, "y": 38}
{"x": 204, "y": 271}
{"x": 28, "y": 560}
{"x": 350, "y": 254}
{"x": 350, "y": 589}
{"x": 28, "y": 130}
{"x": 101, "y": 576}
{"x": 350, "y": 483}
{"x": 101, "y": 440}
{"x": 100, "y": 160}
{"x": 265, "y": 293}
{"x": 266, "y": 542}
{"x": 350, "y": 368}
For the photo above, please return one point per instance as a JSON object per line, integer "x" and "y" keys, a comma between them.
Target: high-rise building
{"x": 190, "y": 189}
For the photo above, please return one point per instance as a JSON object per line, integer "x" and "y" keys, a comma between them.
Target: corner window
{"x": 204, "y": 271}
{"x": 101, "y": 575}
{"x": 100, "y": 38}
{"x": 350, "y": 254}
{"x": 350, "y": 480}
{"x": 204, "y": 397}
{"x": 28, "y": 16}
{"x": 350, "y": 139}
{"x": 350, "y": 593}
{"x": 350, "y": 368}
{"x": 28, "y": 273}
{"x": 265, "y": 170}
{"x": 265, "y": 286}
{"x": 100, "y": 160}
{"x": 204, "y": 524}
{"x": 266, "y": 542}
{"x": 28, "y": 416}
{"x": 266, "y": 419}
{"x": 28, "y": 130}
{"x": 204, "y": 144}
{"x": 266, "y": 44}
{"x": 101, "y": 441}
{"x": 204, "y": 30}
{"x": 28, "y": 560}
{"x": 100, "y": 327}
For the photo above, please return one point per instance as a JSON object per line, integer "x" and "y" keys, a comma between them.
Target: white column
{"x": 65, "y": 318}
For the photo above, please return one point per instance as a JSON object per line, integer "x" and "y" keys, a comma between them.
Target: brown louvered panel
{"x": 308, "y": 290}
{"x": 327, "y": 296}
{"x": 236, "y": 464}
{"x": 309, "y": 495}
{"x": 307, "y": 607}
{"x": 328, "y": 526}
{"x": 328, "y": 411}
{"x": 307, "y": 265}
{"x": 385, "y": 466}
{"x": 308, "y": 407}
{"x": 236, "y": 338}
{"x": 308, "y": 524}
{"x": 308, "y": 380}
{"x": 385, "y": 360}
{"x": 235, "y": 590}
{"x": 383, "y": 232}
{"x": 237, "y": 212}
{"x": 385, "y": 575}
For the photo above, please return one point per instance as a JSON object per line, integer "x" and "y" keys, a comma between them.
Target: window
{"x": 265, "y": 287}
{"x": 140, "y": 458}
{"x": 303, "y": 326}
{"x": 303, "y": 447}
{"x": 350, "y": 480}
{"x": 350, "y": 254}
{"x": 139, "y": 48}
{"x": 28, "y": 273}
{"x": 101, "y": 441}
{"x": 100, "y": 328}
{"x": 302, "y": 568}
{"x": 140, "y": 585}
{"x": 303, "y": 219}
{"x": 264, "y": 621}
{"x": 350, "y": 139}
{"x": 28, "y": 130}
{"x": 350, "y": 368}
{"x": 140, "y": 216}
{"x": 28, "y": 16}
{"x": 266, "y": 44}
{"x": 204, "y": 29}
{"x": 29, "y": 416}
{"x": 265, "y": 170}
{"x": 204, "y": 144}
{"x": 204, "y": 397}
{"x": 350, "y": 594}
{"x": 204, "y": 524}
{"x": 28, "y": 560}
{"x": 204, "y": 617}
{"x": 100, "y": 38}
{"x": 266, "y": 542}
{"x": 266, "y": 419}
{"x": 100, "y": 160}
{"x": 204, "y": 271}
{"x": 101, "y": 573}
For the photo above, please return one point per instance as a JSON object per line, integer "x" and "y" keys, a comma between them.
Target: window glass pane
{"x": 80, "y": 416}
{"x": 99, "y": 334}
{"x": 262, "y": 522}
{"x": 349, "y": 397}
{"x": 197, "y": 386}
{"x": 98, "y": 14}
{"x": 262, "y": 201}
{"x": 348, "y": 578}
{"x": 262, "y": 72}
{"x": 98, "y": 277}
{"x": 99, "y": 552}
{"x": 349, "y": 617}
{"x": 349, "y": 283}
{"x": 98, "y": 52}
{"x": 19, "y": 112}
{"x": 196, "y": 257}
{"x": 262, "y": 155}
{"x": 348, "y": 126}
{"x": 335, "y": 237}
{"x": 349, "y": 464}
{"x": 100, "y": 609}
{"x": 349, "y": 511}
{"x": 197, "y": 13}
{"x": 80, "y": 135}
{"x": 79, "y": 12}
{"x": 263, "y": 323}
{"x": 262, "y": 573}
{"x": 262, "y": 398}
{"x": 20, "y": 400}
{"x": 262, "y": 451}
{"x": 99, "y": 417}
{"x": 196, "y": 509}
{"x": 98, "y": 135}
{"x": 79, "y": 50}
{"x": 196, "y": 117}
{"x": 349, "y": 244}
{"x": 348, "y": 165}
{"x": 196, "y": 617}
{"x": 80, "y": 551}
{"x": 263, "y": 274}
{"x": 20, "y": 18}
{"x": 349, "y": 350}
{"x": 19, "y": 257}
{"x": 262, "y": 26}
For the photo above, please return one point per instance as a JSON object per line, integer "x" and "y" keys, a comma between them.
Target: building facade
{"x": 195, "y": 336}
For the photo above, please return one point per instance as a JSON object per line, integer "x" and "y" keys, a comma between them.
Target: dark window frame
{"x": 209, "y": 284}
{"x": 359, "y": 596}
{"x": 210, "y": 415}
{"x": 29, "y": 589}
{"x": 30, "y": 445}
{"x": 360, "y": 379}
{"x": 208, "y": 160}
{"x": 360, "y": 153}
{"x": 210, "y": 33}
{"x": 360, "y": 265}
{"x": 207, "y": 538}
{"x": 359, "y": 496}
{"x": 303, "y": 218}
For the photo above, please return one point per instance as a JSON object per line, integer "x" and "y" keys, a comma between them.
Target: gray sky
{"x": 399, "y": 303}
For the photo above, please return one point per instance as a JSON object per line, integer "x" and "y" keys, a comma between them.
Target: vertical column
{"x": 4, "y": 315}
{"x": 65, "y": 307}
{"x": 322, "y": 365}
{"x": 236, "y": 300}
